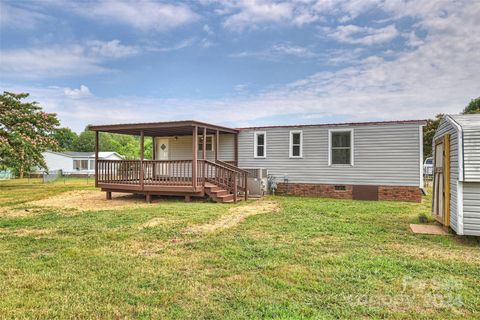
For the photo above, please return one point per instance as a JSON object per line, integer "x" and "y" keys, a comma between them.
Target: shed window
{"x": 296, "y": 142}
{"x": 208, "y": 145}
{"x": 341, "y": 147}
{"x": 260, "y": 145}
{"x": 80, "y": 164}
{"x": 92, "y": 164}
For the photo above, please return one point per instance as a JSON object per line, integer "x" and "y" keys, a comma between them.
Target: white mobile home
{"x": 81, "y": 163}
{"x": 370, "y": 160}
{"x": 456, "y": 194}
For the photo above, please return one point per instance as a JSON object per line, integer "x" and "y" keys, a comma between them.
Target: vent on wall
{"x": 340, "y": 188}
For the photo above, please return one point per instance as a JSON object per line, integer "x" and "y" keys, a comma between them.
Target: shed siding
{"x": 383, "y": 155}
{"x": 470, "y": 124}
{"x": 471, "y": 145}
{"x": 471, "y": 208}
{"x": 444, "y": 128}
{"x": 181, "y": 148}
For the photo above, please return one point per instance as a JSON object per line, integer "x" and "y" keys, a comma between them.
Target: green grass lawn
{"x": 315, "y": 258}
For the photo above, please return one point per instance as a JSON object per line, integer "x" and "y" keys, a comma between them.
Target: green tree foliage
{"x": 428, "y": 133}
{"x": 473, "y": 107}
{"x": 65, "y": 138}
{"x": 25, "y": 132}
{"x": 126, "y": 145}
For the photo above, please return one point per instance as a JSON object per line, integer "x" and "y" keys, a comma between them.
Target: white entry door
{"x": 162, "y": 169}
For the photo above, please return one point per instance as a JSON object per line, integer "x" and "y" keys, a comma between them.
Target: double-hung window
{"x": 80, "y": 164}
{"x": 208, "y": 145}
{"x": 340, "y": 147}
{"x": 296, "y": 144}
{"x": 260, "y": 144}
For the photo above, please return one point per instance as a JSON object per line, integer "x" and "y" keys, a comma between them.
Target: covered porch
{"x": 174, "y": 169}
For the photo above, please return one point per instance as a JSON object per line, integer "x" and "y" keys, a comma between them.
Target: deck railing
{"x": 172, "y": 172}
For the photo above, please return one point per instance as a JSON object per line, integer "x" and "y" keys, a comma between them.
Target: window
{"x": 260, "y": 144}
{"x": 209, "y": 144}
{"x": 296, "y": 142}
{"x": 340, "y": 188}
{"x": 341, "y": 147}
{"x": 92, "y": 164}
{"x": 80, "y": 164}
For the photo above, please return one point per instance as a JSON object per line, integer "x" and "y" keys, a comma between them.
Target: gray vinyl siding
{"x": 470, "y": 125}
{"x": 181, "y": 148}
{"x": 444, "y": 128}
{"x": 471, "y": 208}
{"x": 384, "y": 154}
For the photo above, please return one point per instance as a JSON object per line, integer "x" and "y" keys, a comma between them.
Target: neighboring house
{"x": 82, "y": 163}
{"x": 372, "y": 160}
{"x": 456, "y": 184}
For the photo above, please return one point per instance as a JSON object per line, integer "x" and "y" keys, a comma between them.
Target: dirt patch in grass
{"x": 85, "y": 200}
{"x": 6, "y": 212}
{"x": 235, "y": 216}
{"x": 152, "y": 223}
{"x": 37, "y": 233}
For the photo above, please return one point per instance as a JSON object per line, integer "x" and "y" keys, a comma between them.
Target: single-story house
{"x": 456, "y": 184}
{"x": 370, "y": 160}
{"x": 78, "y": 163}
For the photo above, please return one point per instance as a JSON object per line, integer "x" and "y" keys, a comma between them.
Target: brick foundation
{"x": 393, "y": 193}
{"x": 411, "y": 194}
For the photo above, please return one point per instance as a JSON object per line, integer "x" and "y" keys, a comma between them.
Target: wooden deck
{"x": 172, "y": 177}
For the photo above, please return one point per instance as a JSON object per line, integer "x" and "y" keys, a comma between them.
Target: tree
{"x": 473, "y": 107}
{"x": 428, "y": 133}
{"x": 65, "y": 138}
{"x": 25, "y": 132}
{"x": 86, "y": 142}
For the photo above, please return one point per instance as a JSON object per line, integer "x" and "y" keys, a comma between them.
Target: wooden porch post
{"x": 154, "y": 149}
{"x": 142, "y": 148}
{"x": 96, "y": 158}
{"x": 204, "y": 154}
{"x": 194, "y": 156}
{"x": 217, "y": 144}
{"x": 236, "y": 149}
{"x": 154, "y": 156}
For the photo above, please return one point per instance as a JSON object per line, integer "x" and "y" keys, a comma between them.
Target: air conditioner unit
{"x": 257, "y": 181}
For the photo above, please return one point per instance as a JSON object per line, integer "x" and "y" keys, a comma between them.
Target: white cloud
{"x": 82, "y": 92}
{"x": 277, "y": 51}
{"x": 111, "y": 49}
{"x": 143, "y": 15}
{"x": 62, "y": 60}
{"x": 364, "y": 35}
{"x": 14, "y": 17}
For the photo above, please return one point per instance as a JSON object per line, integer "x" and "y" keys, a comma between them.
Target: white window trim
{"x": 290, "y": 153}
{"x": 213, "y": 142}
{"x": 255, "y": 140}
{"x": 352, "y": 147}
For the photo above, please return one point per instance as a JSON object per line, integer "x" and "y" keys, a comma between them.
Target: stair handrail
{"x": 240, "y": 176}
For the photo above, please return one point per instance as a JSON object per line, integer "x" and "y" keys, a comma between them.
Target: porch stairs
{"x": 218, "y": 194}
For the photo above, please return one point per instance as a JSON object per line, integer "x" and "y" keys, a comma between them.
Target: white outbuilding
{"x": 456, "y": 168}
{"x": 81, "y": 163}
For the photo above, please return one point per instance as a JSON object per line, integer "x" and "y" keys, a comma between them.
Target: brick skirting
{"x": 394, "y": 193}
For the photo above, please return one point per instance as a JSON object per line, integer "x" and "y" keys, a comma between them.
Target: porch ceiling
{"x": 162, "y": 129}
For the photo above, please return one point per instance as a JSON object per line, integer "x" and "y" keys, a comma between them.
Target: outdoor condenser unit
{"x": 257, "y": 181}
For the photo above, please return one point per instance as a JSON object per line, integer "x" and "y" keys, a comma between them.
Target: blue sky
{"x": 241, "y": 63}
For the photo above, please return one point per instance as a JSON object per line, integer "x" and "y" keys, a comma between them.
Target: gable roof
{"x": 466, "y": 121}
{"x": 76, "y": 154}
